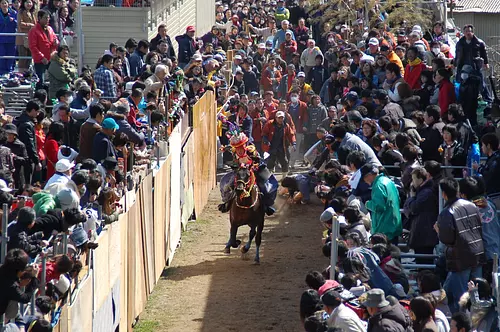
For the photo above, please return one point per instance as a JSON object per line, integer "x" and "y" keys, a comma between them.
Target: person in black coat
{"x": 20, "y": 157}
{"x": 469, "y": 49}
{"x": 13, "y": 278}
{"x": 57, "y": 221}
{"x": 162, "y": 35}
{"x": 18, "y": 233}
{"x": 421, "y": 209}
{"x": 102, "y": 147}
{"x": 238, "y": 82}
{"x": 187, "y": 46}
{"x": 26, "y": 130}
{"x": 468, "y": 92}
{"x": 317, "y": 75}
{"x": 250, "y": 78}
{"x": 431, "y": 135}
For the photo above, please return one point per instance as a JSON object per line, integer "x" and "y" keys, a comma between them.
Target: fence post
{"x": 440, "y": 199}
{"x": 43, "y": 278}
{"x": 65, "y": 243}
{"x": 334, "y": 250}
{"x": 5, "y": 238}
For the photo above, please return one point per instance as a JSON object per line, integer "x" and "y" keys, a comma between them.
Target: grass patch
{"x": 146, "y": 326}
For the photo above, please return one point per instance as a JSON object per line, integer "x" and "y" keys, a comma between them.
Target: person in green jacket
{"x": 282, "y": 13}
{"x": 384, "y": 203}
{"x": 62, "y": 71}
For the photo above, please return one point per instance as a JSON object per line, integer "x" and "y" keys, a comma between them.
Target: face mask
{"x": 294, "y": 99}
{"x": 436, "y": 50}
{"x": 82, "y": 191}
{"x": 70, "y": 99}
{"x": 464, "y": 76}
{"x": 269, "y": 48}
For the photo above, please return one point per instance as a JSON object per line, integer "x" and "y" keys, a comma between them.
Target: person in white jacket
{"x": 341, "y": 316}
{"x": 308, "y": 57}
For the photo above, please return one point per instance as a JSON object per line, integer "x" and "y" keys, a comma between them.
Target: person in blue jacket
{"x": 8, "y": 24}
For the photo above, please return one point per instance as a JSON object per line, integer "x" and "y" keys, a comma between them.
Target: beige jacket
{"x": 346, "y": 319}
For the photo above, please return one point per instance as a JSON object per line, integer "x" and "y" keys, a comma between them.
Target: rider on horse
{"x": 246, "y": 154}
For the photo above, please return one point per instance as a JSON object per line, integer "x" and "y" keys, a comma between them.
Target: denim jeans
{"x": 40, "y": 69}
{"x": 456, "y": 285}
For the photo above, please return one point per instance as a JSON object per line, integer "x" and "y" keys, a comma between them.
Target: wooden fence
{"x": 133, "y": 251}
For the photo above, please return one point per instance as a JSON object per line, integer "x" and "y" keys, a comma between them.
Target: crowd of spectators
{"x": 378, "y": 113}
{"x": 387, "y": 120}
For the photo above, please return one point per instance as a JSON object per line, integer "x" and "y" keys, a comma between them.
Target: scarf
{"x": 415, "y": 62}
{"x": 480, "y": 202}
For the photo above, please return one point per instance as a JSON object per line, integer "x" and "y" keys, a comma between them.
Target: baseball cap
{"x": 238, "y": 71}
{"x": 109, "y": 123}
{"x": 197, "y": 57}
{"x": 301, "y": 74}
{"x": 238, "y": 57}
{"x": 384, "y": 48}
{"x": 352, "y": 96}
{"x": 354, "y": 116}
{"x": 327, "y": 215}
{"x": 4, "y": 187}
{"x": 280, "y": 114}
{"x": 288, "y": 33}
{"x": 329, "y": 284}
{"x": 331, "y": 298}
{"x": 64, "y": 165}
{"x": 373, "y": 41}
{"x": 261, "y": 45}
{"x": 190, "y": 28}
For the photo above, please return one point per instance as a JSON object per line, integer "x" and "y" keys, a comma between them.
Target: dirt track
{"x": 205, "y": 290}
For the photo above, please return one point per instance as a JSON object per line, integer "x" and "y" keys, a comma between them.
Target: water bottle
{"x": 474, "y": 156}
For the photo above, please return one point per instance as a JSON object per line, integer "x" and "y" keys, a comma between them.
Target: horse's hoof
{"x": 244, "y": 256}
{"x": 256, "y": 262}
{"x": 227, "y": 250}
{"x": 243, "y": 249}
{"x": 236, "y": 244}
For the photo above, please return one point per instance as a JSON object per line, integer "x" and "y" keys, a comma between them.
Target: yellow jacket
{"x": 394, "y": 58}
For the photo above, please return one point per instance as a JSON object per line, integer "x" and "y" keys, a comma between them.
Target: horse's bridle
{"x": 247, "y": 191}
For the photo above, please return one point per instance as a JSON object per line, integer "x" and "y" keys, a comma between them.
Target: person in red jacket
{"x": 446, "y": 89}
{"x": 259, "y": 117}
{"x": 271, "y": 76}
{"x": 42, "y": 42}
{"x": 51, "y": 146}
{"x": 270, "y": 104}
{"x": 413, "y": 69}
{"x": 288, "y": 47}
{"x": 277, "y": 138}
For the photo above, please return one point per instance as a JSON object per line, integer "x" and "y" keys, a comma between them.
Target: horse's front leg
{"x": 258, "y": 240}
{"x": 232, "y": 239}
{"x": 251, "y": 235}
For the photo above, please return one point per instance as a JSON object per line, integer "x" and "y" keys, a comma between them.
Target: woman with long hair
{"x": 52, "y": 142}
{"x": 422, "y": 314}
{"x": 26, "y": 19}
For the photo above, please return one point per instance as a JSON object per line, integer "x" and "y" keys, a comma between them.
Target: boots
{"x": 224, "y": 207}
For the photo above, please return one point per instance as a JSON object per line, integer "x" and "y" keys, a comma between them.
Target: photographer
{"x": 13, "y": 276}
{"x": 18, "y": 233}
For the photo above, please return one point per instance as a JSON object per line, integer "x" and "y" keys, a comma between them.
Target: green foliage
{"x": 398, "y": 11}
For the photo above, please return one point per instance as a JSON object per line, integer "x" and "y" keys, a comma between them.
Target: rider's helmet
{"x": 238, "y": 140}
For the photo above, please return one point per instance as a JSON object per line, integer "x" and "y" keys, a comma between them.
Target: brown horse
{"x": 246, "y": 208}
